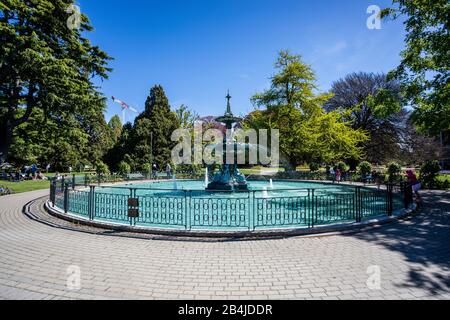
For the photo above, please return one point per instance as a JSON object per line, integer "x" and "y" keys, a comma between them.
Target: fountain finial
{"x": 228, "y": 118}
{"x": 228, "y": 103}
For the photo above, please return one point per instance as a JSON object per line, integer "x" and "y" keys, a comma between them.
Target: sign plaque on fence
{"x": 133, "y": 213}
{"x": 133, "y": 202}
{"x": 133, "y": 208}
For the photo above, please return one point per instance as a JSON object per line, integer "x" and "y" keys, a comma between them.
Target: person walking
{"x": 416, "y": 185}
{"x": 154, "y": 171}
{"x": 338, "y": 175}
{"x": 169, "y": 171}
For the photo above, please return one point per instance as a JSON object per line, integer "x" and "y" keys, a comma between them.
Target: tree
{"x": 307, "y": 132}
{"x": 116, "y": 128}
{"x": 101, "y": 168}
{"x": 364, "y": 169}
{"x": 75, "y": 142}
{"x": 186, "y": 117}
{"x": 417, "y": 147}
{"x": 152, "y": 130}
{"x": 45, "y": 66}
{"x": 394, "y": 171}
{"x": 124, "y": 168}
{"x": 375, "y": 106}
{"x": 429, "y": 173}
{"x": 424, "y": 69}
{"x": 121, "y": 150}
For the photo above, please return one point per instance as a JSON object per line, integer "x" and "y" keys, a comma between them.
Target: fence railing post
{"x": 187, "y": 209}
{"x": 91, "y": 203}
{"x": 308, "y": 208}
{"x": 133, "y": 207}
{"x": 255, "y": 211}
{"x": 251, "y": 210}
{"x": 73, "y": 181}
{"x": 390, "y": 205}
{"x": 66, "y": 198}
{"x": 358, "y": 204}
{"x": 314, "y": 209}
{"x": 52, "y": 192}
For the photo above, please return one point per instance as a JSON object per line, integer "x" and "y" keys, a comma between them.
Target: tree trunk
{"x": 6, "y": 137}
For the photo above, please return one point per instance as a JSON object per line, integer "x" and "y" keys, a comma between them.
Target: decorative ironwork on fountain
{"x": 228, "y": 177}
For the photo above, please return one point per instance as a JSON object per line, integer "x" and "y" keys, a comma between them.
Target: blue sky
{"x": 198, "y": 49}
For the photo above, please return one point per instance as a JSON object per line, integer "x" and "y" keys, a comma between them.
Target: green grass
{"x": 444, "y": 177}
{"x": 25, "y": 186}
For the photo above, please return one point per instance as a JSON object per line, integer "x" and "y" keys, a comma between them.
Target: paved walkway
{"x": 35, "y": 254}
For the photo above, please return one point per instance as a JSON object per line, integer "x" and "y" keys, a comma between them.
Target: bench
{"x": 135, "y": 176}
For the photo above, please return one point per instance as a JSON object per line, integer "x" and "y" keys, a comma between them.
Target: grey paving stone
{"x": 414, "y": 257}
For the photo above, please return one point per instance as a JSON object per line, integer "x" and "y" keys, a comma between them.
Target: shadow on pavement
{"x": 424, "y": 240}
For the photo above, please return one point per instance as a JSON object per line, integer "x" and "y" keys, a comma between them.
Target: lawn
{"x": 25, "y": 186}
{"x": 444, "y": 177}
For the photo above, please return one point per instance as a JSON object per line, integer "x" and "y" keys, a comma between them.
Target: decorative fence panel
{"x": 162, "y": 211}
{"x": 79, "y": 202}
{"x": 334, "y": 208}
{"x": 281, "y": 211}
{"x": 245, "y": 210}
{"x": 220, "y": 212}
{"x": 111, "y": 207}
{"x": 374, "y": 203}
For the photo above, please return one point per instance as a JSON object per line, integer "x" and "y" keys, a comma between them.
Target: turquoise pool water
{"x": 197, "y": 188}
{"x": 186, "y": 205}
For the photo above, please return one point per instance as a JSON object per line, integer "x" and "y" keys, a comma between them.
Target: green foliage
{"x": 424, "y": 70}
{"x": 443, "y": 182}
{"x": 115, "y": 126}
{"x": 372, "y": 104}
{"x": 186, "y": 117}
{"x": 101, "y": 168}
{"x": 146, "y": 168}
{"x": 148, "y": 140}
{"x": 307, "y": 132}
{"x": 48, "y": 73}
{"x": 394, "y": 170}
{"x": 429, "y": 173}
{"x": 364, "y": 168}
{"x": 44, "y": 141}
{"x": 314, "y": 166}
{"x": 342, "y": 166}
{"x": 154, "y": 126}
{"x": 124, "y": 168}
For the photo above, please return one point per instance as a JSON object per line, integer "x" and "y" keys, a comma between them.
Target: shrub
{"x": 341, "y": 165}
{"x": 314, "y": 166}
{"x": 429, "y": 173}
{"x": 364, "y": 168}
{"x": 146, "y": 169}
{"x": 102, "y": 168}
{"x": 394, "y": 170}
{"x": 124, "y": 167}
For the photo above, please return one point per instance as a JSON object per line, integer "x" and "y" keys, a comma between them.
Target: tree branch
{"x": 30, "y": 107}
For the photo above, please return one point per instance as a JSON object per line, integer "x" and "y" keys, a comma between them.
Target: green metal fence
{"x": 246, "y": 210}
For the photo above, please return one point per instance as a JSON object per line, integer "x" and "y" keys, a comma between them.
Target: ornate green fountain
{"x": 228, "y": 177}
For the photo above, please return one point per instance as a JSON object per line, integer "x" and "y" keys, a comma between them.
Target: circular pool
{"x": 185, "y": 205}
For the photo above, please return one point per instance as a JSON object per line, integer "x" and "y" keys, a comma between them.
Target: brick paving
{"x": 36, "y": 251}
